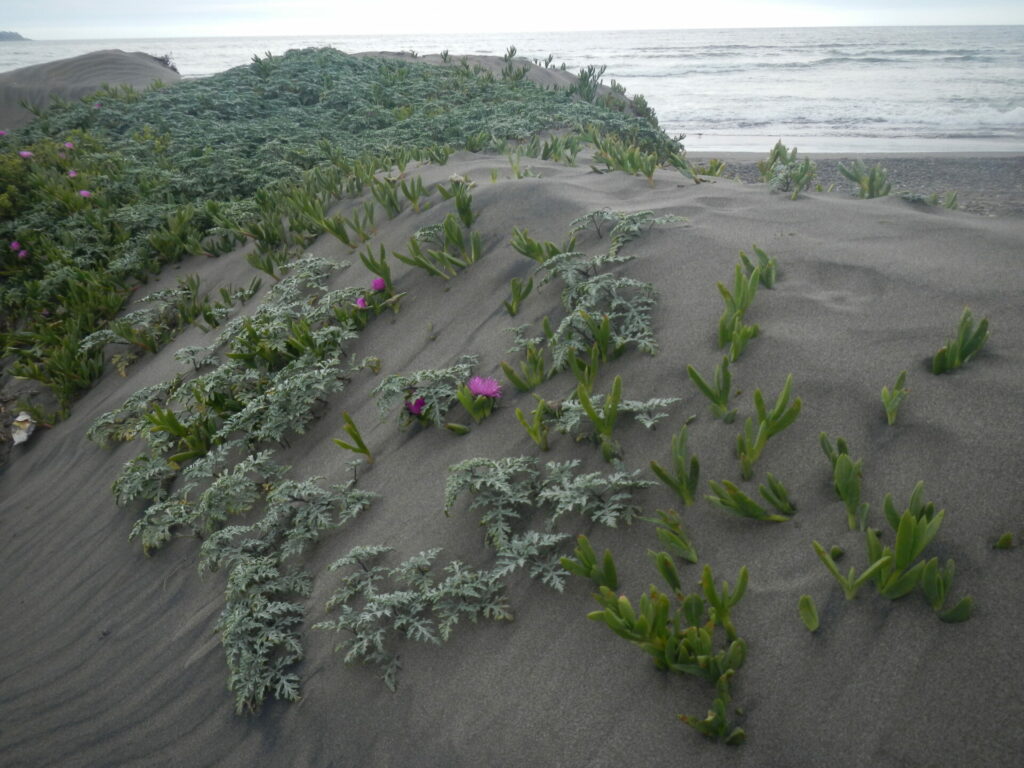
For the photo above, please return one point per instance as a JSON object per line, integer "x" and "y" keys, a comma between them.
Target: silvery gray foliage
{"x": 155, "y": 526}
{"x": 626, "y": 302}
{"x": 286, "y": 403}
{"x": 146, "y": 477}
{"x": 568, "y": 417}
{"x": 236, "y": 490}
{"x": 125, "y": 422}
{"x": 259, "y": 631}
{"x": 603, "y": 499}
{"x": 622, "y": 226}
{"x": 520, "y": 341}
{"x": 506, "y": 491}
{"x": 375, "y": 603}
{"x": 437, "y": 388}
{"x": 215, "y": 461}
{"x": 502, "y": 490}
{"x": 297, "y": 512}
{"x": 260, "y": 621}
{"x": 198, "y": 357}
{"x": 536, "y": 550}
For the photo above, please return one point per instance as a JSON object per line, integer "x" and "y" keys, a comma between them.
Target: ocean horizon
{"x": 822, "y": 89}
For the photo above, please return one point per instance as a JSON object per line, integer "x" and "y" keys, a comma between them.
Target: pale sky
{"x": 98, "y": 19}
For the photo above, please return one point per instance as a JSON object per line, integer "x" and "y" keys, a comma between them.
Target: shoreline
{"x": 987, "y": 184}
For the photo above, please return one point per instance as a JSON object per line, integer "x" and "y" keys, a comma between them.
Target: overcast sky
{"x": 98, "y": 19}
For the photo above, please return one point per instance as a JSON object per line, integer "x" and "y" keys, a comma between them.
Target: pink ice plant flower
{"x": 85, "y": 193}
{"x": 361, "y": 303}
{"x": 69, "y": 145}
{"x": 25, "y": 153}
{"x": 72, "y": 173}
{"x": 479, "y": 385}
{"x": 379, "y": 284}
{"x": 22, "y": 254}
{"x": 3, "y": 133}
{"x": 416, "y": 406}
{"x": 15, "y": 245}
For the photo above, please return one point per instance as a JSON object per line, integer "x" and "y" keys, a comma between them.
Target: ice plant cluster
{"x": 22, "y": 253}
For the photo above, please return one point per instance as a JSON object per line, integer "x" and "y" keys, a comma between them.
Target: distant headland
{"x": 11, "y": 36}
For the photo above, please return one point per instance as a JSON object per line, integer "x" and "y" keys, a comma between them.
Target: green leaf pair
{"x": 604, "y": 422}
{"x": 766, "y": 267}
{"x": 669, "y": 530}
{"x": 718, "y": 392}
{"x": 965, "y": 345}
{"x": 750, "y": 442}
{"x": 537, "y": 428}
{"x": 357, "y": 445}
{"x": 891, "y": 400}
{"x": 587, "y": 566}
{"x": 730, "y": 497}
{"x": 851, "y": 583}
{"x": 520, "y": 291}
{"x": 685, "y": 469}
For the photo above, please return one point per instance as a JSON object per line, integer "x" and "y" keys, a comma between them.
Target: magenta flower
{"x": 361, "y": 303}
{"x": 379, "y": 284}
{"x": 3, "y": 133}
{"x": 25, "y": 153}
{"x": 22, "y": 254}
{"x": 72, "y": 174}
{"x": 97, "y": 105}
{"x": 15, "y": 245}
{"x": 485, "y": 387}
{"x": 416, "y": 406}
{"x": 69, "y": 145}
{"x": 85, "y": 193}
{"x": 62, "y": 156}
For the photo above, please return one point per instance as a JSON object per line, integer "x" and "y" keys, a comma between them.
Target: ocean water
{"x": 838, "y": 89}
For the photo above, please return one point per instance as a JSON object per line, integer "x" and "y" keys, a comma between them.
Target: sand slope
{"x": 74, "y": 78}
{"x": 108, "y": 657}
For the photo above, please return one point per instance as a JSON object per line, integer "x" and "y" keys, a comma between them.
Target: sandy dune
{"x": 73, "y": 78}
{"x": 108, "y": 657}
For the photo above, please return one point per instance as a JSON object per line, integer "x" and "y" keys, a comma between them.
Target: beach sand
{"x": 109, "y": 657}
{"x": 73, "y": 78}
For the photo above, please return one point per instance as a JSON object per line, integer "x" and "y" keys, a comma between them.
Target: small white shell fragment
{"x": 22, "y": 427}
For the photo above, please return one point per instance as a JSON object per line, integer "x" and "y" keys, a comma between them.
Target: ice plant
{"x": 23, "y": 254}
{"x": 485, "y": 387}
{"x": 478, "y": 396}
{"x": 361, "y": 303}
{"x": 69, "y": 145}
{"x": 84, "y": 193}
{"x": 72, "y": 174}
{"x": 379, "y": 284}
{"x": 25, "y": 153}
{"x": 15, "y": 245}
{"x": 415, "y": 407}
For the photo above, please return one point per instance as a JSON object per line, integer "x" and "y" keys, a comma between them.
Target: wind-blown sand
{"x": 108, "y": 657}
{"x": 73, "y": 78}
